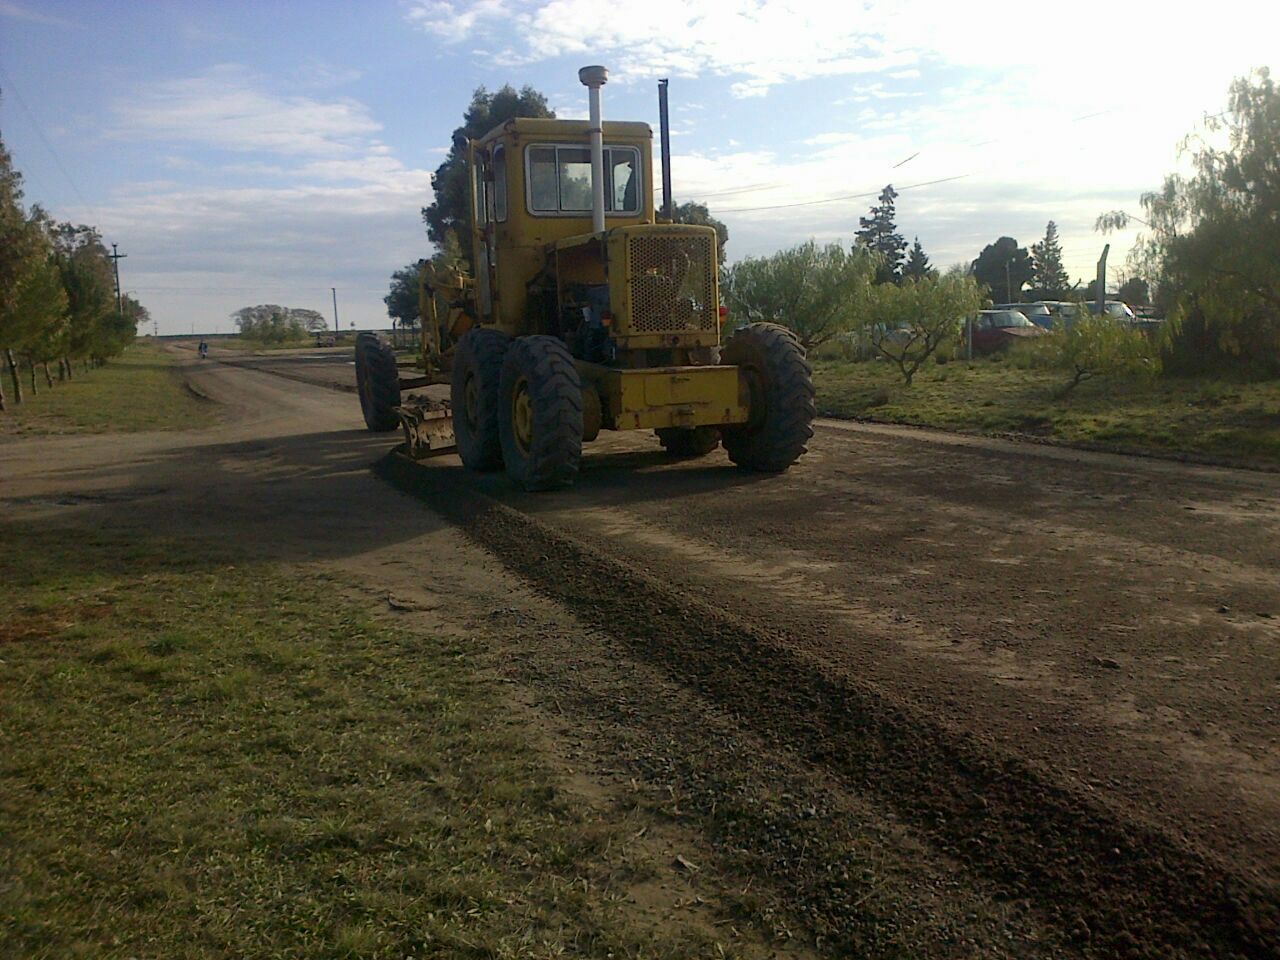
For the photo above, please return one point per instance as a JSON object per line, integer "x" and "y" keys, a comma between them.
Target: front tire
{"x": 780, "y": 384}
{"x": 540, "y": 419}
{"x": 473, "y": 391}
{"x": 377, "y": 382}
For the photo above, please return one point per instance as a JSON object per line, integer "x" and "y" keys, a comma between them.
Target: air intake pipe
{"x": 593, "y": 78}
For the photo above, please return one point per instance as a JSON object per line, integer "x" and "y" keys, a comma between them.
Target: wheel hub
{"x": 522, "y": 415}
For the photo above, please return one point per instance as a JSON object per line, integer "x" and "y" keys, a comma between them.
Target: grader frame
{"x": 584, "y": 311}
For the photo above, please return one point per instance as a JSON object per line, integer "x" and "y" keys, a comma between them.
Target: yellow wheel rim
{"x": 472, "y": 397}
{"x": 522, "y": 415}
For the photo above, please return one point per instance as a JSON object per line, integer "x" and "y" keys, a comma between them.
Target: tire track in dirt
{"x": 1113, "y": 886}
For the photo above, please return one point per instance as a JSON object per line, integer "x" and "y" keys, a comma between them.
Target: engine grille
{"x": 672, "y": 283}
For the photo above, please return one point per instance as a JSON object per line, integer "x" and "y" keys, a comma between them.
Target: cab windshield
{"x": 558, "y": 179}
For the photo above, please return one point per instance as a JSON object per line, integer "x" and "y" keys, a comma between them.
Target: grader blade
{"x": 428, "y": 427}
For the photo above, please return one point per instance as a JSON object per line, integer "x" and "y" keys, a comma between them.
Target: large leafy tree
{"x": 879, "y": 233}
{"x": 272, "y": 323}
{"x": 816, "y": 291}
{"x": 450, "y": 211}
{"x": 402, "y": 300}
{"x": 1049, "y": 275}
{"x": 24, "y": 252}
{"x": 697, "y": 213}
{"x": 1004, "y": 268}
{"x": 87, "y": 278}
{"x": 1212, "y": 247}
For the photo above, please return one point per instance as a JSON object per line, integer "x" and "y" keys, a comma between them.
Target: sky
{"x": 268, "y": 152}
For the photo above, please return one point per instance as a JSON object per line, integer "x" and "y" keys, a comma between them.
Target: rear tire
{"x": 780, "y": 382}
{"x": 688, "y": 441}
{"x": 477, "y": 367}
{"x": 377, "y": 382}
{"x": 540, "y": 419}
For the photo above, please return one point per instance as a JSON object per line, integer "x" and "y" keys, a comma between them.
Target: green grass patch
{"x": 1239, "y": 422}
{"x": 138, "y": 390}
{"x": 207, "y": 758}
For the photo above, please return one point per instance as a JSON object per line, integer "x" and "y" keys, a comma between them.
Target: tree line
{"x": 58, "y": 302}
{"x": 1210, "y": 260}
{"x": 272, "y": 323}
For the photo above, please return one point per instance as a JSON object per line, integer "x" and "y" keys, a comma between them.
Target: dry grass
{"x": 204, "y": 758}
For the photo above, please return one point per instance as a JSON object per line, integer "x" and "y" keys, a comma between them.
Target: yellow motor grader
{"x": 584, "y": 312}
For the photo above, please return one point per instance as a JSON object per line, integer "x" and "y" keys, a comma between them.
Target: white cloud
{"x": 762, "y": 43}
{"x": 328, "y": 203}
{"x": 454, "y": 21}
{"x": 17, "y": 12}
{"x": 228, "y": 108}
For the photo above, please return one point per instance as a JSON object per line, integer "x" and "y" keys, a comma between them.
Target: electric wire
{"x": 12, "y": 88}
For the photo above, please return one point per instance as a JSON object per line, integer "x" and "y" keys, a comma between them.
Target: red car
{"x": 994, "y": 330}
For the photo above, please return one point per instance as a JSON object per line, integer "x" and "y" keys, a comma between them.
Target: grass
{"x": 205, "y": 758}
{"x": 1237, "y": 422}
{"x": 136, "y": 391}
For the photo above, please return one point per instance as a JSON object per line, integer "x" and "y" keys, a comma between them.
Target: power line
{"x": 12, "y": 88}
{"x": 851, "y": 196}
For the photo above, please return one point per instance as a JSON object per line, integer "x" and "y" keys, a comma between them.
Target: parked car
{"x": 1038, "y": 313}
{"x": 1115, "y": 309}
{"x": 995, "y": 330}
{"x": 326, "y": 340}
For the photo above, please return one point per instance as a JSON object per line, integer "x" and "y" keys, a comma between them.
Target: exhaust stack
{"x": 593, "y": 78}
{"x": 664, "y": 131}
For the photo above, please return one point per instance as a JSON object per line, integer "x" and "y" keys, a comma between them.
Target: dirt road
{"x": 940, "y": 695}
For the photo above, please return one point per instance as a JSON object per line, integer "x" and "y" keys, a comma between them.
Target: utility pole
{"x": 116, "y": 257}
{"x": 1008, "y": 284}
{"x": 1102, "y": 280}
{"x": 334, "y": 290}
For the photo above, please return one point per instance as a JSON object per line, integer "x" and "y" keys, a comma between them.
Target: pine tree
{"x": 879, "y": 233}
{"x": 1050, "y": 277}
{"x": 918, "y": 266}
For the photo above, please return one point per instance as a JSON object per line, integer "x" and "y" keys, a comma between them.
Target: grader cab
{"x": 584, "y": 312}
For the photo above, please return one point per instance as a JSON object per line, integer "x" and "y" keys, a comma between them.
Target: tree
{"x": 402, "y": 301}
{"x": 89, "y": 282}
{"x": 1135, "y": 290}
{"x": 450, "y": 211}
{"x": 697, "y": 213}
{"x": 815, "y": 291}
{"x": 272, "y": 323}
{"x": 907, "y": 323}
{"x": 918, "y": 266}
{"x": 1048, "y": 273}
{"x": 1212, "y": 243}
{"x": 21, "y": 254}
{"x": 879, "y": 234}
{"x": 312, "y": 321}
{"x": 1096, "y": 346}
{"x": 1004, "y": 268}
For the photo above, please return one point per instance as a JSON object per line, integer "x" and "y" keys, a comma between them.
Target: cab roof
{"x": 532, "y": 128}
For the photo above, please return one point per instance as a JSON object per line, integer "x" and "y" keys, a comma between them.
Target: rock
{"x": 1107, "y": 663}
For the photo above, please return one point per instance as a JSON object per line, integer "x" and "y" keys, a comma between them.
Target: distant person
{"x": 204, "y": 349}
